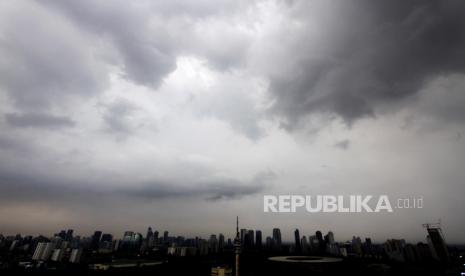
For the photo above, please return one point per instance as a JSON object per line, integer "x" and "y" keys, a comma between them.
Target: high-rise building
{"x": 57, "y": 255}
{"x": 249, "y": 239}
{"x": 155, "y": 237}
{"x": 75, "y": 256}
{"x": 321, "y": 242}
{"x": 304, "y": 244}
{"x": 269, "y": 243}
{"x": 258, "y": 239}
{"x": 277, "y": 238}
{"x": 298, "y": 248}
{"x": 62, "y": 234}
{"x": 221, "y": 242}
{"x": 243, "y": 233}
{"x": 213, "y": 244}
{"x": 165, "y": 236}
{"x": 330, "y": 237}
{"x": 437, "y": 244}
{"x": 69, "y": 235}
{"x": 96, "y": 240}
{"x": 107, "y": 238}
{"x": 43, "y": 251}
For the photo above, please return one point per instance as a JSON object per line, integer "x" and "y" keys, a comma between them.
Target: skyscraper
{"x": 149, "y": 233}
{"x": 96, "y": 240}
{"x": 321, "y": 242}
{"x": 437, "y": 244}
{"x": 277, "y": 238}
{"x": 249, "y": 239}
{"x": 69, "y": 235}
{"x": 258, "y": 239}
{"x": 298, "y": 248}
{"x": 243, "y": 233}
{"x": 221, "y": 242}
{"x": 43, "y": 251}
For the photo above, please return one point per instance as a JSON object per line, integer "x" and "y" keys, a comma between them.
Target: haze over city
{"x": 182, "y": 115}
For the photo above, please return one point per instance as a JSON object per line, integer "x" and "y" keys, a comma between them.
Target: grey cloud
{"x": 146, "y": 54}
{"x": 344, "y": 144}
{"x": 234, "y": 107}
{"x": 211, "y": 189}
{"x": 41, "y": 187}
{"x": 38, "y": 120}
{"x": 368, "y": 55}
{"x": 44, "y": 59}
{"x": 116, "y": 116}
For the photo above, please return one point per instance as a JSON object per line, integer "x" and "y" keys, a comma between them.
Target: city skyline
{"x": 183, "y": 115}
{"x": 287, "y": 237}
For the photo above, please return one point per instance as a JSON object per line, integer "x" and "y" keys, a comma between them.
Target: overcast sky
{"x": 117, "y": 115}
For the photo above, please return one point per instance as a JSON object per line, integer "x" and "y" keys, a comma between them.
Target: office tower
{"x": 38, "y": 251}
{"x": 221, "y": 242}
{"x": 330, "y": 237}
{"x": 269, "y": 243}
{"x": 69, "y": 235}
{"x": 297, "y": 241}
{"x": 165, "y": 236}
{"x": 43, "y": 251}
{"x": 304, "y": 245}
{"x": 258, "y": 239}
{"x": 13, "y": 245}
{"x": 277, "y": 238}
{"x": 107, "y": 238}
{"x": 75, "y": 256}
{"x": 213, "y": 244}
{"x": 155, "y": 238}
{"x": 437, "y": 244}
{"x": 357, "y": 245}
{"x": 368, "y": 246}
{"x": 150, "y": 238}
{"x": 237, "y": 247}
{"x": 96, "y": 240}
{"x": 393, "y": 248}
{"x": 424, "y": 252}
{"x": 313, "y": 244}
{"x": 136, "y": 242}
{"x": 243, "y": 233}
{"x": 106, "y": 242}
{"x": 321, "y": 242}
{"x": 149, "y": 233}
{"x": 62, "y": 234}
{"x": 57, "y": 255}
{"x": 249, "y": 239}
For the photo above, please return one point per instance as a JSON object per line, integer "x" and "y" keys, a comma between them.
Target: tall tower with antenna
{"x": 237, "y": 246}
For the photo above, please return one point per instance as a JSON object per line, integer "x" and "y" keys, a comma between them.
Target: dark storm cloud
{"x": 38, "y": 120}
{"x": 372, "y": 54}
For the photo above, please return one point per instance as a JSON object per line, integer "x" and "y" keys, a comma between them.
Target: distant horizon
{"x": 287, "y": 237}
